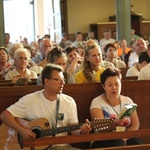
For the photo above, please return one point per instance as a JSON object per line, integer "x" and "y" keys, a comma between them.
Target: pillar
{"x": 2, "y": 30}
{"x": 123, "y": 20}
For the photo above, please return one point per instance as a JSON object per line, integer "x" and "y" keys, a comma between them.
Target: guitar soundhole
{"x": 37, "y": 132}
{"x": 47, "y": 124}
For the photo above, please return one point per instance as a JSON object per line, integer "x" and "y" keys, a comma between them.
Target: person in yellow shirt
{"x": 91, "y": 69}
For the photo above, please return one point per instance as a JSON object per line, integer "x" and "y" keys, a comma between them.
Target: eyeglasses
{"x": 59, "y": 79}
{"x": 22, "y": 58}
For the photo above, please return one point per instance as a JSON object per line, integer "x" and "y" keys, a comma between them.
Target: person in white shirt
{"x": 144, "y": 59}
{"x": 145, "y": 73}
{"x": 79, "y": 39}
{"x": 50, "y": 103}
{"x": 21, "y": 59}
{"x": 107, "y": 38}
{"x": 139, "y": 46}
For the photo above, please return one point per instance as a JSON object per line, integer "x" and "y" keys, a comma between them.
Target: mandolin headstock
{"x": 102, "y": 125}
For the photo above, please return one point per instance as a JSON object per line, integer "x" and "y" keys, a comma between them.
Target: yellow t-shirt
{"x": 80, "y": 78}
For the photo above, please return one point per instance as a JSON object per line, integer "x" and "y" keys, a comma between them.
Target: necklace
{"x": 112, "y": 106}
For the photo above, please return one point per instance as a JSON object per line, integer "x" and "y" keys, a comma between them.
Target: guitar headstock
{"x": 102, "y": 125}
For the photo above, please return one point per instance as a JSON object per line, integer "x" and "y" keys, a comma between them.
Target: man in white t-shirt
{"x": 107, "y": 39}
{"x": 144, "y": 59}
{"x": 145, "y": 73}
{"x": 139, "y": 46}
{"x": 59, "y": 109}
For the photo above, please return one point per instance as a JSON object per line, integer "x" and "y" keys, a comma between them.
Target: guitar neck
{"x": 54, "y": 131}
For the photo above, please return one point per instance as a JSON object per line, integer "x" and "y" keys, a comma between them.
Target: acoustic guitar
{"x": 42, "y": 128}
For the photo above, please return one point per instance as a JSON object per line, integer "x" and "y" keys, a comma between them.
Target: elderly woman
{"x": 110, "y": 104}
{"x": 21, "y": 58}
{"x": 4, "y": 60}
{"x": 91, "y": 69}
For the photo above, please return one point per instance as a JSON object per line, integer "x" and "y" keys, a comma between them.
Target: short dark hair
{"x": 47, "y": 36}
{"x": 110, "y": 72}
{"x": 69, "y": 49}
{"x": 108, "y": 46}
{"x": 78, "y": 33}
{"x": 144, "y": 57}
{"x": 48, "y": 69}
{"x": 3, "y": 48}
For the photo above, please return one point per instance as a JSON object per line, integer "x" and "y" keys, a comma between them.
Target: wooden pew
{"x": 83, "y": 95}
{"x": 92, "y": 137}
{"x": 1, "y": 78}
{"x": 130, "y": 78}
{"x": 7, "y": 83}
{"x": 123, "y": 71}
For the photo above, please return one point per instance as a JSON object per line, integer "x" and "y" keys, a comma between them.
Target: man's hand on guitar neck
{"x": 86, "y": 128}
{"x": 27, "y": 134}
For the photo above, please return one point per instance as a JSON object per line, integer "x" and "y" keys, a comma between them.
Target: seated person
{"x": 110, "y": 104}
{"x": 12, "y": 50}
{"x": 123, "y": 49}
{"x": 139, "y": 46}
{"x": 58, "y": 57}
{"x": 133, "y": 35}
{"x": 23, "y": 82}
{"x": 79, "y": 39}
{"x": 145, "y": 73}
{"x": 144, "y": 59}
{"x": 91, "y": 35}
{"x": 107, "y": 38}
{"x": 4, "y": 60}
{"x": 21, "y": 58}
{"x": 74, "y": 59}
{"x": 64, "y": 41}
{"x": 104, "y": 64}
{"x": 111, "y": 56}
{"x": 50, "y": 103}
{"x": 91, "y": 69}
{"x": 45, "y": 46}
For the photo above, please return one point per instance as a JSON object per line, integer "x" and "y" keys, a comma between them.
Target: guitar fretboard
{"x": 54, "y": 131}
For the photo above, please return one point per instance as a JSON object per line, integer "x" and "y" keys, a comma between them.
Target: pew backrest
{"x": 83, "y": 94}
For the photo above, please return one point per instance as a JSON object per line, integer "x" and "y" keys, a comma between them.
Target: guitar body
{"x": 8, "y": 136}
{"x": 35, "y": 125}
{"x": 8, "y": 142}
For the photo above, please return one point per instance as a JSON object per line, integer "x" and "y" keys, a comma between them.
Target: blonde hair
{"x": 88, "y": 72}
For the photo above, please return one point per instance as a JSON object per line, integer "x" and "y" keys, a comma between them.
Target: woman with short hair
{"x": 21, "y": 58}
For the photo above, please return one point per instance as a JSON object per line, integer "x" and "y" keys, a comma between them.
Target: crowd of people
{"x": 80, "y": 61}
{"x": 83, "y": 61}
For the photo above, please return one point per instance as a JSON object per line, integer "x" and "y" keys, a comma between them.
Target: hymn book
{"x": 127, "y": 111}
